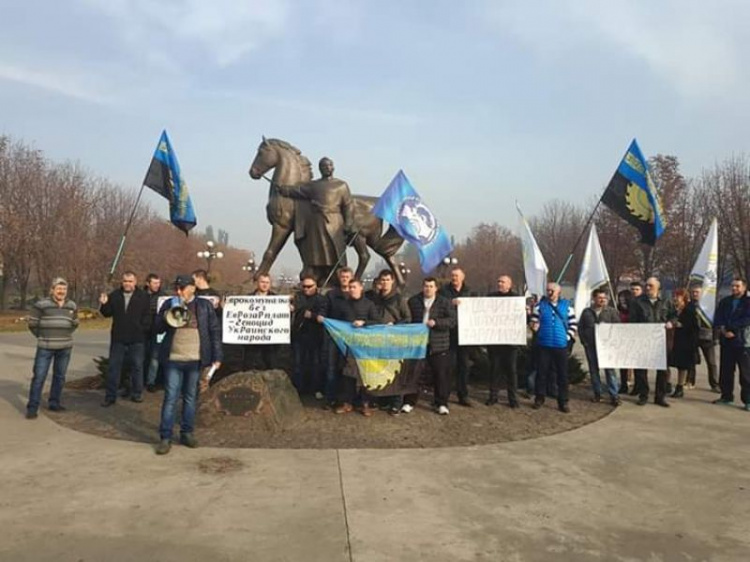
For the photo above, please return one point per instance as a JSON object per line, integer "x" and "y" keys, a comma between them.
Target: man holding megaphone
{"x": 192, "y": 342}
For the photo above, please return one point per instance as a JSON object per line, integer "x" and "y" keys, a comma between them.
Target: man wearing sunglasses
{"x": 307, "y": 338}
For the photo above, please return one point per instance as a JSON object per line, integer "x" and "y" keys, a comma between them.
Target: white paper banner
{"x": 492, "y": 321}
{"x": 257, "y": 320}
{"x": 631, "y": 346}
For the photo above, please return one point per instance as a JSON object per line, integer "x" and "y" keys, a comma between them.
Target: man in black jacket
{"x": 650, "y": 308}
{"x": 151, "y": 363}
{"x": 360, "y": 311}
{"x": 732, "y": 319}
{"x": 129, "y": 308}
{"x": 268, "y": 352}
{"x": 453, "y": 291}
{"x": 334, "y": 306}
{"x": 599, "y": 313}
{"x": 503, "y": 358}
{"x": 437, "y": 312}
{"x": 307, "y": 337}
{"x": 394, "y": 309}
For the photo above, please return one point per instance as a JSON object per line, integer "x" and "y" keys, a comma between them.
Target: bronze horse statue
{"x": 292, "y": 168}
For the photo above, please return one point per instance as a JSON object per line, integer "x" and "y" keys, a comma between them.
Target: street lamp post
{"x": 448, "y": 263}
{"x": 210, "y": 254}
{"x": 404, "y": 270}
{"x": 250, "y": 266}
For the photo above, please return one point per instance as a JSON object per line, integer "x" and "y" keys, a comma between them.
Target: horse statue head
{"x": 290, "y": 166}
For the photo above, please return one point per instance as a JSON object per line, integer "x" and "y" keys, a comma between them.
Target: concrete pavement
{"x": 641, "y": 484}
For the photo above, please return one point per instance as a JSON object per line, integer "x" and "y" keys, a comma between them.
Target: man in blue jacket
{"x": 554, "y": 321}
{"x": 733, "y": 321}
{"x": 185, "y": 351}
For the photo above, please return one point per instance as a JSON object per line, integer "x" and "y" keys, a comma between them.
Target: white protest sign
{"x": 492, "y": 321}
{"x": 631, "y": 346}
{"x": 257, "y": 320}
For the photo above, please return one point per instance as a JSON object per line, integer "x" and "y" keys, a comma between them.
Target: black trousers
{"x": 552, "y": 362}
{"x": 440, "y": 365}
{"x": 708, "y": 347}
{"x": 732, "y": 358}
{"x": 459, "y": 357}
{"x": 641, "y": 384}
{"x": 503, "y": 366}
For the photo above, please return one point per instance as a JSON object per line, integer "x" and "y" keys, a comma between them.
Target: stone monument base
{"x": 266, "y": 398}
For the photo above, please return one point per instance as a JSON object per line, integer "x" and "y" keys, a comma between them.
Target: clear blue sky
{"x": 480, "y": 102}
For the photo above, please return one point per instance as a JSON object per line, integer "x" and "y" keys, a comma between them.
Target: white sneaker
{"x": 318, "y": 396}
{"x": 407, "y": 409}
{"x": 443, "y": 410}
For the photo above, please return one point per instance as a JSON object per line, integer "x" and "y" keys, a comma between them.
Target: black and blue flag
{"x": 632, "y": 195}
{"x": 165, "y": 178}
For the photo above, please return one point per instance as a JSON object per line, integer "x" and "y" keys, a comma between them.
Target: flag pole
{"x": 341, "y": 255}
{"x": 578, "y": 241}
{"x": 120, "y": 249}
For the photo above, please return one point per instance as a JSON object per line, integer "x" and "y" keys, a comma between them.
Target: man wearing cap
{"x": 185, "y": 351}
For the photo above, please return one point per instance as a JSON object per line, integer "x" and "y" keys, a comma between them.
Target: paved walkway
{"x": 642, "y": 484}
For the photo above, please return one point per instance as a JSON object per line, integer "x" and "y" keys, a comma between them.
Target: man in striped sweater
{"x": 554, "y": 321}
{"x": 52, "y": 321}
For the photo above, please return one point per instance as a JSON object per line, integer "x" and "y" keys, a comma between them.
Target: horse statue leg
{"x": 363, "y": 254}
{"x": 279, "y": 236}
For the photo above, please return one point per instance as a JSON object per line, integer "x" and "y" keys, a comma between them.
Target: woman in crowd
{"x": 684, "y": 323}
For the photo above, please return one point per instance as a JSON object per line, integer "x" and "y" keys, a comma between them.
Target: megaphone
{"x": 178, "y": 316}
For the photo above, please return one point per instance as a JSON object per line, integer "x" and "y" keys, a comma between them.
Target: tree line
{"x": 59, "y": 219}
{"x": 689, "y": 205}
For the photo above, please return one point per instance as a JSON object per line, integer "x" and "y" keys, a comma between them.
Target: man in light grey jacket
{"x": 52, "y": 321}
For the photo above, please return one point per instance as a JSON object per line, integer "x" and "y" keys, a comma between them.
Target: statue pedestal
{"x": 267, "y": 399}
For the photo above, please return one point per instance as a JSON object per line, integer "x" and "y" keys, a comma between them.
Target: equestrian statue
{"x": 322, "y": 213}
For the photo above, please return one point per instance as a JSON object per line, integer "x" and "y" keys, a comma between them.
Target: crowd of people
{"x": 142, "y": 337}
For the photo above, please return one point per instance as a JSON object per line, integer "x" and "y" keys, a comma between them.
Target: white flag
{"x": 593, "y": 273}
{"x": 534, "y": 266}
{"x": 705, "y": 272}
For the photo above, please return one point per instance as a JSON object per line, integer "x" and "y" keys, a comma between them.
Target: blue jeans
{"x": 179, "y": 376}
{"x": 596, "y": 380}
{"x": 117, "y": 354}
{"x": 42, "y": 362}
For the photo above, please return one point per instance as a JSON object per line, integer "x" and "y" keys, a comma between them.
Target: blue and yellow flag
{"x": 164, "y": 178}
{"x": 632, "y": 195}
{"x": 379, "y": 351}
{"x": 402, "y": 208}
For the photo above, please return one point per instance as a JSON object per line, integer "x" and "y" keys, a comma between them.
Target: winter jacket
{"x": 334, "y": 304}
{"x": 131, "y": 325}
{"x": 588, "y": 321}
{"x": 736, "y": 321}
{"x": 449, "y": 292}
{"x": 209, "y": 332}
{"x": 52, "y": 324}
{"x": 393, "y": 308}
{"x": 557, "y": 323}
{"x": 444, "y": 315}
{"x": 643, "y": 311}
{"x": 360, "y": 309}
{"x": 307, "y": 327}
{"x": 153, "y": 302}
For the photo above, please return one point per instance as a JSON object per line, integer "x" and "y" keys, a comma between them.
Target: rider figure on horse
{"x": 322, "y": 233}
